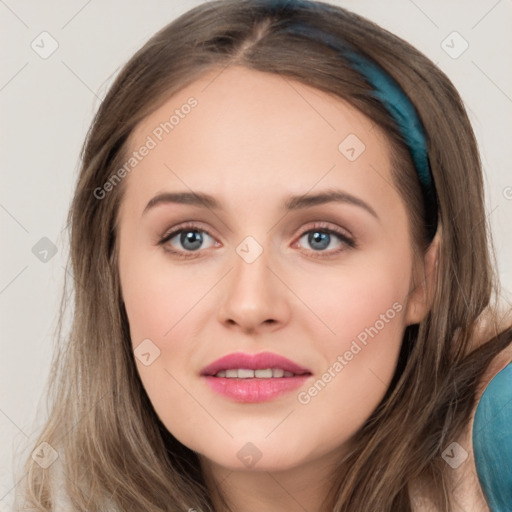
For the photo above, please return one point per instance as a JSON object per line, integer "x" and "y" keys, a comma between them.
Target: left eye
{"x": 320, "y": 239}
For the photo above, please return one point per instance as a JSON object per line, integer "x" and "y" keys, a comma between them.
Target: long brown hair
{"x": 114, "y": 453}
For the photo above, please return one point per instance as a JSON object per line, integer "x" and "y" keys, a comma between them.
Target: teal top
{"x": 492, "y": 441}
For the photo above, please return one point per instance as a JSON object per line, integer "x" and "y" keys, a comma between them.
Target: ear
{"x": 424, "y": 282}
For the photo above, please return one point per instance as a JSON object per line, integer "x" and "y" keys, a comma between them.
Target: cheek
{"x": 365, "y": 310}
{"x": 162, "y": 303}
{"x": 159, "y": 294}
{"x": 355, "y": 302}
{"x": 158, "y": 302}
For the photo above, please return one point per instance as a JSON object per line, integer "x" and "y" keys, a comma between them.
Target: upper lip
{"x": 259, "y": 361}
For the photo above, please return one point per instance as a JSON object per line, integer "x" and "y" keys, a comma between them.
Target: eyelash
{"x": 319, "y": 226}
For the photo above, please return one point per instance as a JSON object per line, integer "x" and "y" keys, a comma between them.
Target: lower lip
{"x": 255, "y": 390}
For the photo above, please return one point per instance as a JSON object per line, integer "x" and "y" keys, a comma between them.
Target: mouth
{"x": 266, "y": 373}
{"x": 263, "y": 365}
{"x": 254, "y": 377}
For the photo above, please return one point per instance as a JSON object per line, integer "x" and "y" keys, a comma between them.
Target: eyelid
{"x": 191, "y": 225}
{"x": 327, "y": 226}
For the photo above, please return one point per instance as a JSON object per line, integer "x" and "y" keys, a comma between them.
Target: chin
{"x": 248, "y": 456}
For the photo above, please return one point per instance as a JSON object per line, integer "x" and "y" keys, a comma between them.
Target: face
{"x": 328, "y": 285}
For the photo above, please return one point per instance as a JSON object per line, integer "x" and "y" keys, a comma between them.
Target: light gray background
{"x": 47, "y": 105}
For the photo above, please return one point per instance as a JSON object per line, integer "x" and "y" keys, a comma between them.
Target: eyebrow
{"x": 291, "y": 204}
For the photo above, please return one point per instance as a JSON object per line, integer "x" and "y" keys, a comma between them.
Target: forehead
{"x": 246, "y": 132}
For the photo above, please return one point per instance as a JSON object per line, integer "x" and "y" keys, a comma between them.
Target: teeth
{"x": 245, "y": 373}
{"x": 263, "y": 374}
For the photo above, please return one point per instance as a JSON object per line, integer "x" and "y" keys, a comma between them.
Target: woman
{"x": 324, "y": 342}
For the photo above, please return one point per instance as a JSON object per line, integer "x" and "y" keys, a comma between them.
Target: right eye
{"x": 189, "y": 236}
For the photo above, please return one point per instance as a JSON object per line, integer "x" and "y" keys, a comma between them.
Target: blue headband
{"x": 398, "y": 105}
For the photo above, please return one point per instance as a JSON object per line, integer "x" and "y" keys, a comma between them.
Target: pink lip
{"x": 256, "y": 389}
{"x": 253, "y": 362}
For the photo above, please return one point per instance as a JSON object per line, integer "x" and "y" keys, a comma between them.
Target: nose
{"x": 255, "y": 297}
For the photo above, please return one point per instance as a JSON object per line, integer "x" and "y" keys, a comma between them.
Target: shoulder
{"x": 474, "y": 451}
{"x": 480, "y": 481}
{"x": 492, "y": 431}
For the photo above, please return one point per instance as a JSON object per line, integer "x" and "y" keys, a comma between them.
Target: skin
{"x": 253, "y": 140}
